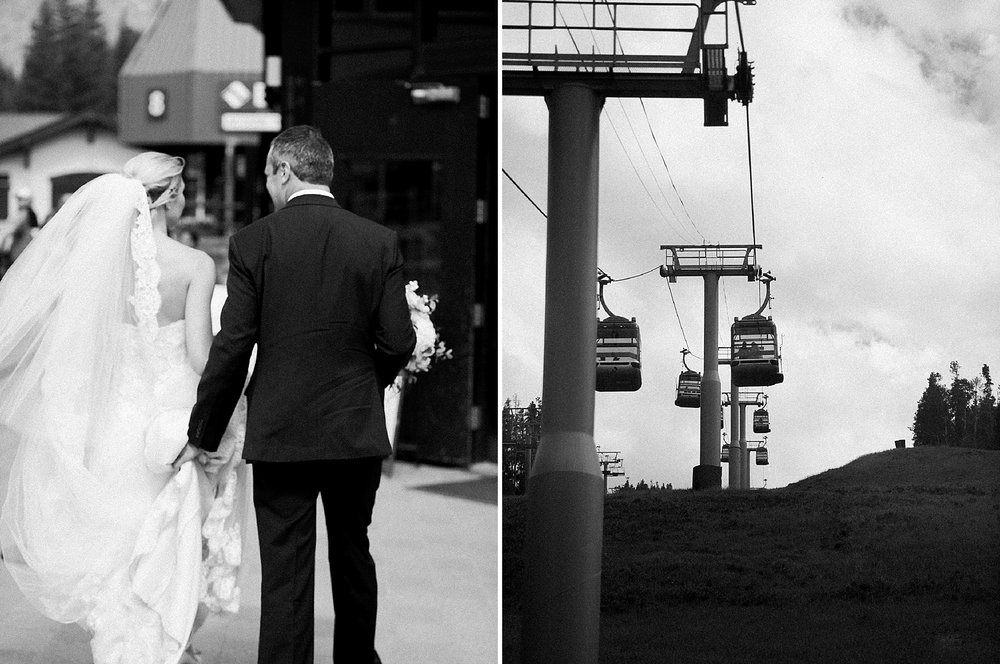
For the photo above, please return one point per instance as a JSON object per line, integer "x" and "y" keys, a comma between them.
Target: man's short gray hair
{"x": 307, "y": 153}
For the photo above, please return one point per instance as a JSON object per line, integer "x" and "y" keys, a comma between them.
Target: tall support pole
{"x": 708, "y": 473}
{"x": 229, "y": 187}
{"x": 562, "y": 551}
{"x": 734, "y": 436}
{"x": 744, "y": 464}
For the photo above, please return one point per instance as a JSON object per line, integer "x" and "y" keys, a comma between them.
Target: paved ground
{"x": 434, "y": 539}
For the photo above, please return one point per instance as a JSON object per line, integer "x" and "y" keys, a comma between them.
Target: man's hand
{"x": 187, "y": 454}
{"x": 213, "y": 461}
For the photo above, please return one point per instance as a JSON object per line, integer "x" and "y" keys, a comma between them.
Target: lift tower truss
{"x": 611, "y": 465}
{"x": 542, "y": 57}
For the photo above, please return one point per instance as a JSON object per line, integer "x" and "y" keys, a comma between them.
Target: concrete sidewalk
{"x": 434, "y": 540}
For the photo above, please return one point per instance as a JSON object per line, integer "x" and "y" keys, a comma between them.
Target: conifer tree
{"x": 42, "y": 86}
{"x": 931, "y": 422}
{"x": 988, "y": 431}
{"x": 68, "y": 65}
{"x": 960, "y": 398}
{"x": 996, "y": 428}
{"x": 8, "y": 89}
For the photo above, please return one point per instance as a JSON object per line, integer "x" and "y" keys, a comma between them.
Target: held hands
{"x": 211, "y": 461}
{"x": 187, "y": 454}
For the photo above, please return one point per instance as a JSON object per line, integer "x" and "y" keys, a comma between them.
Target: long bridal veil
{"x": 65, "y": 307}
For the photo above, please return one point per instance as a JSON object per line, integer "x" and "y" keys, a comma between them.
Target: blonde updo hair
{"x": 160, "y": 175}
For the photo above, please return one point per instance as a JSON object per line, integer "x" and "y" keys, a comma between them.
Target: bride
{"x": 104, "y": 330}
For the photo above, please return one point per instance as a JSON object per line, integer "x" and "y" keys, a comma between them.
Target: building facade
{"x": 51, "y": 154}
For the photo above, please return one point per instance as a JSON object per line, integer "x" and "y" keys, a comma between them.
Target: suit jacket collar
{"x": 312, "y": 199}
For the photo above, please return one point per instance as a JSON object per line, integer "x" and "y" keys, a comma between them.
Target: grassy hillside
{"x": 893, "y": 558}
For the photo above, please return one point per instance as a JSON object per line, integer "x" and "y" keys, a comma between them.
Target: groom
{"x": 320, "y": 292}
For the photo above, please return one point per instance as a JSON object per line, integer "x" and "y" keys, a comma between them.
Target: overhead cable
{"x": 524, "y": 193}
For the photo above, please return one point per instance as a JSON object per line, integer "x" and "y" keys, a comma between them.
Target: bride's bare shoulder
{"x": 184, "y": 258}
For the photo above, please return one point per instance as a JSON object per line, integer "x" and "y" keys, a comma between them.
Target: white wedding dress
{"x": 96, "y": 527}
{"x": 180, "y": 535}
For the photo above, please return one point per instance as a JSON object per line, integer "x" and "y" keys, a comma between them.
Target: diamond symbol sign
{"x": 236, "y": 94}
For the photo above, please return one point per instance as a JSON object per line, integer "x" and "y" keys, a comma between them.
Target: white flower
{"x": 232, "y": 552}
{"x": 429, "y": 346}
{"x": 225, "y": 587}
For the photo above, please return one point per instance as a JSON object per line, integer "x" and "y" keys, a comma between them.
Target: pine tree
{"x": 8, "y": 89}
{"x": 960, "y": 398}
{"x": 42, "y": 86}
{"x": 986, "y": 414}
{"x": 68, "y": 65}
{"x": 996, "y": 428}
{"x": 931, "y": 422}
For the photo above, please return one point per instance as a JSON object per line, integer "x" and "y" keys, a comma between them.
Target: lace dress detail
{"x": 145, "y": 299}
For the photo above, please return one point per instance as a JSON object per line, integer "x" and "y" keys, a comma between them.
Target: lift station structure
{"x": 563, "y": 536}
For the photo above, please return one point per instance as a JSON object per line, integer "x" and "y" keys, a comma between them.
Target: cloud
{"x": 861, "y": 334}
{"x": 958, "y": 45}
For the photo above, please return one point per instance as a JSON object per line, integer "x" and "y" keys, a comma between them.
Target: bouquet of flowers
{"x": 429, "y": 348}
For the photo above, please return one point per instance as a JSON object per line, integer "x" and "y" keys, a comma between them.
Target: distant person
{"x": 23, "y": 198}
{"x": 22, "y": 225}
{"x": 105, "y": 327}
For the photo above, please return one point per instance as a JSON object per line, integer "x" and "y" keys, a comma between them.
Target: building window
{"x": 4, "y": 195}
{"x": 354, "y": 6}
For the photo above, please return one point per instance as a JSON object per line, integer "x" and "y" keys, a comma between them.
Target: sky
{"x": 875, "y": 138}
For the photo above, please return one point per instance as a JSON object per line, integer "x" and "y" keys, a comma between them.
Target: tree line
{"x": 521, "y": 429}
{"x": 962, "y": 414}
{"x": 641, "y": 486}
{"x": 69, "y": 65}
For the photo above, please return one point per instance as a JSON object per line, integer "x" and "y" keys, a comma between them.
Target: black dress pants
{"x": 285, "y": 502}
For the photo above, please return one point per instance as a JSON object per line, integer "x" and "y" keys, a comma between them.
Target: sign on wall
{"x": 244, "y": 109}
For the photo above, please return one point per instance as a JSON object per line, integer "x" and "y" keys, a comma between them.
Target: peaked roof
{"x": 195, "y": 36}
{"x": 14, "y": 125}
{"x": 19, "y": 131}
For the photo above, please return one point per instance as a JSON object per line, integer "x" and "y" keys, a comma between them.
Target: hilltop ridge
{"x": 912, "y": 467}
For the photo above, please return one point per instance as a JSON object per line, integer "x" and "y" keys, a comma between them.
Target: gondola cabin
{"x": 688, "y": 390}
{"x": 755, "y": 359}
{"x": 761, "y": 456}
{"x": 761, "y": 423}
{"x": 725, "y": 453}
{"x": 618, "y": 365}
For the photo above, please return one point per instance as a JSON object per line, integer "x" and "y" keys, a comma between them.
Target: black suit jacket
{"x": 320, "y": 291}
